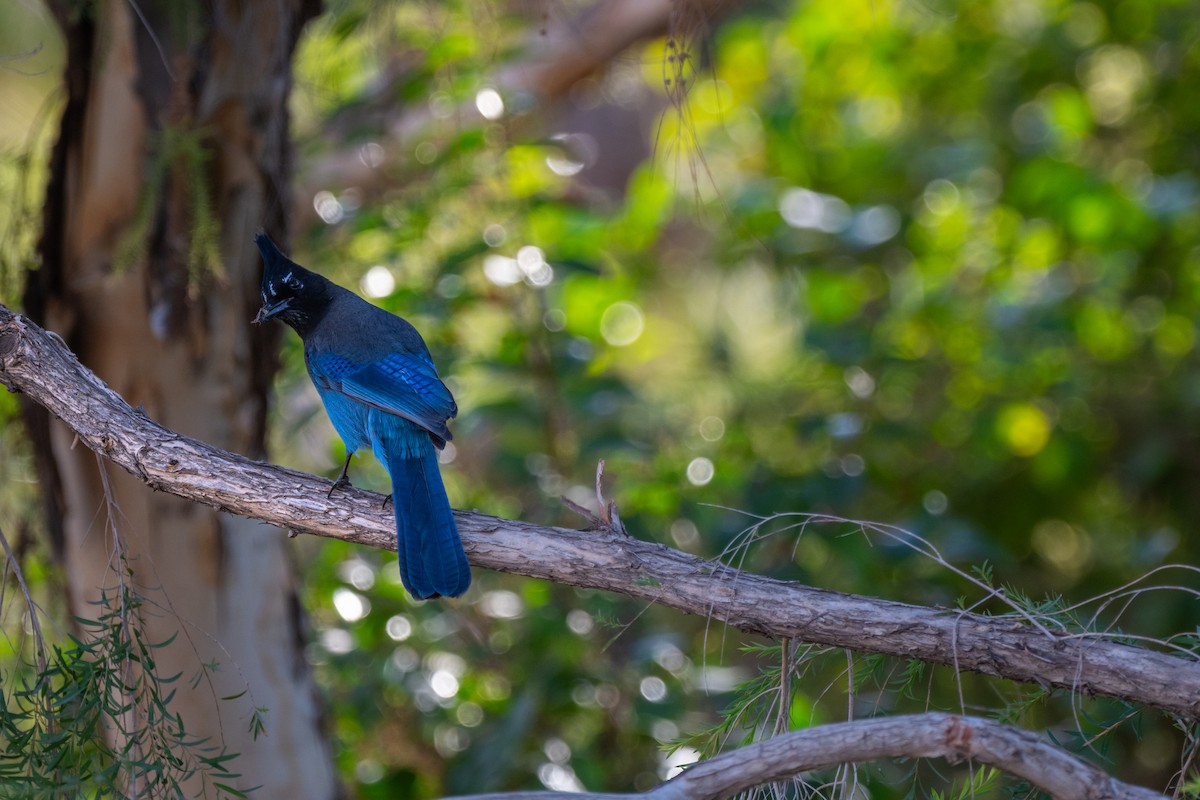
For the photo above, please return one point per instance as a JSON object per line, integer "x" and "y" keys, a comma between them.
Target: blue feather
{"x": 432, "y": 561}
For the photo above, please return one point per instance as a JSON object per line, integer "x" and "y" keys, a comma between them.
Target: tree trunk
{"x": 173, "y": 151}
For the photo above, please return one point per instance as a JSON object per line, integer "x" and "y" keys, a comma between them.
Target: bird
{"x": 381, "y": 390}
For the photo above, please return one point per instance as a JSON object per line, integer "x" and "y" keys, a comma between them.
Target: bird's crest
{"x": 283, "y": 281}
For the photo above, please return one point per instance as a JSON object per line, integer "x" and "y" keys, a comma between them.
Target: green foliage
{"x": 181, "y": 162}
{"x": 93, "y": 718}
{"x": 933, "y": 266}
{"x": 981, "y": 781}
{"x": 30, "y": 57}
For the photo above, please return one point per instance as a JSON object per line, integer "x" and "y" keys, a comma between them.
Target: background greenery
{"x": 927, "y": 264}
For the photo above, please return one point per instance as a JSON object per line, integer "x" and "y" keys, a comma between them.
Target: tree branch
{"x": 933, "y": 735}
{"x": 37, "y": 363}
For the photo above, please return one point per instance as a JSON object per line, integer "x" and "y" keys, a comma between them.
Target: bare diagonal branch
{"x": 39, "y": 364}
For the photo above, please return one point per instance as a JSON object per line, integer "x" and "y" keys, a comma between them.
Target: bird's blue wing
{"x": 327, "y": 370}
{"x": 406, "y": 385}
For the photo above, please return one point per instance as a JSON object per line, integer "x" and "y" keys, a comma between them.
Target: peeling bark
{"x": 119, "y": 282}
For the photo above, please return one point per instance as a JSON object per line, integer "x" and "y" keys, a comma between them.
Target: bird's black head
{"x": 289, "y": 291}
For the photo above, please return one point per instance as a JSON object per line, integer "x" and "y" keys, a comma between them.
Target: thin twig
{"x": 30, "y": 605}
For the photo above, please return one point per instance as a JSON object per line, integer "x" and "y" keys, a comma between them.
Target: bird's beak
{"x": 271, "y": 310}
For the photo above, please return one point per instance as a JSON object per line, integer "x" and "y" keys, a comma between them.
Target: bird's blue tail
{"x": 432, "y": 561}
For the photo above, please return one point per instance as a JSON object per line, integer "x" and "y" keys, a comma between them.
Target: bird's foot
{"x": 387, "y": 498}
{"x": 342, "y": 482}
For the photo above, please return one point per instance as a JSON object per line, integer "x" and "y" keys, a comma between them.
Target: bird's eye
{"x": 294, "y": 284}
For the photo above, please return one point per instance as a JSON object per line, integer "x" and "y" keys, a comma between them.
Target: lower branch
{"x": 954, "y": 738}
{"x": 37, "y": 363}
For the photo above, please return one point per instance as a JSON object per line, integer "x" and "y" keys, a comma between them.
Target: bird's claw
{"x": 341, "y": 483}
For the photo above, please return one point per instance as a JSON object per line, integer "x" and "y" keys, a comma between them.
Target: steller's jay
{"x": 381, "y": 390}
